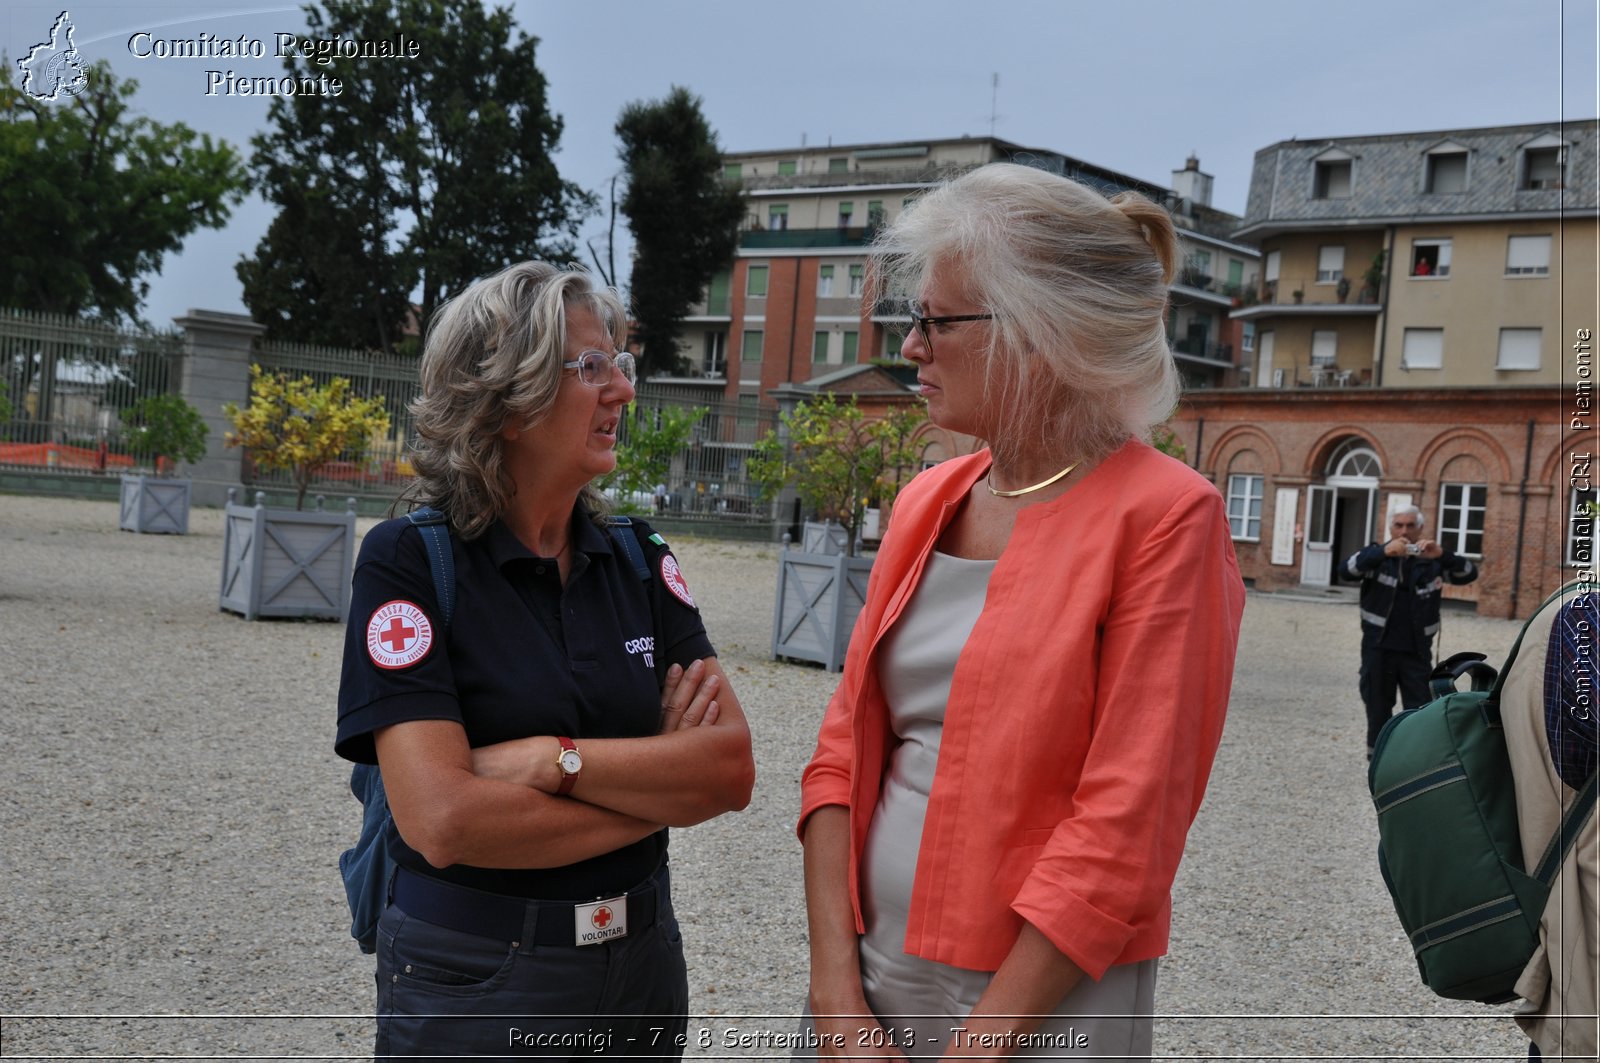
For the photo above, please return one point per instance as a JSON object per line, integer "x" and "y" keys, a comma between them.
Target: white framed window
{"x": 755, "y": 282}
{"x": 1519, "y": 348}
{"x": 1324, "y": 347}
{"x": 1247, "y": 336}
{"x": 825, "y": 281}
{"x": 788, "y": 167}
{"x": 1330, "y": 264}
{"x": 1461, "y": 509}
{"x": 1580, "y": 526}
{"x": 1528, "y": 256}
{"x": 858, "y": 281}
{"x": 1430, "y": 258}
{"x": 1274, "y": 264}
{"x": 778, "y": 217}
{"x": 1446, "y": 172}
{"x": 750, "y": 348}
{"x": 1544, "y": 167}
{"x": 1423, "y": 348}
{"x": 1331, "y": 179}
{"x": 715, "y": 356}
{"x": 1244, "y": 506}
{"x": 846, "y": 210}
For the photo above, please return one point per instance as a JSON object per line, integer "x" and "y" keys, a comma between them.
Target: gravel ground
{"x": 173, "y": 814}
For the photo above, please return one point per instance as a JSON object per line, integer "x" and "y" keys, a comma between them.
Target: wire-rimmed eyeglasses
{"x": 920, "y": 321}
{"x": 595, "y": 367}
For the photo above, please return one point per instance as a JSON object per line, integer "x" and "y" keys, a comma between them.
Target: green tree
{"x": 837, "y": 460}
{"x": 684, "y": 218}
{"x": 93, "y": 196}
{"x": 421, "y": 175}
{"x": 165, "y": 426}
{"x": 655, "y": 437}
{"x": 1164, "y": 439}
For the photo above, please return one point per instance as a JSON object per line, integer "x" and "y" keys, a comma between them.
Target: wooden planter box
{"x": 819, "y": 598}
{"x": 824, "y": 538}
{"x": 284, "y": 562}
{"x": 151, "y": 504}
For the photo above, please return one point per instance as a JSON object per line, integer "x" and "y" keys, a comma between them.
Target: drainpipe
{"x": 794, "y": 325}
{"x": 1383, "y": 304}
{"x": 1199, "y": 438}
{"x": 1522, "y": 520}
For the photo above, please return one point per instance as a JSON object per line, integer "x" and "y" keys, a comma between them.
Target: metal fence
{"x": 64, "y": 383}
{"x": 380, "y": 468}
{"x": 708, "y": 482}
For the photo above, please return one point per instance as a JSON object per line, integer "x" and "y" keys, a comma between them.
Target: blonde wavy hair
{"x": 493, "y": 358}
{"x": 1077, "y": 283}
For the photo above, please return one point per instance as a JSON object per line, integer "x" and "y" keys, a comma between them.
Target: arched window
{"x": 1354, "y": 459}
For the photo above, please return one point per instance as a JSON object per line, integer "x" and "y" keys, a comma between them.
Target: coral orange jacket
{"x": 1084, "y": 714}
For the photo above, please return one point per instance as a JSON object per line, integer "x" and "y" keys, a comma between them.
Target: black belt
{"x": 495, "y": 915}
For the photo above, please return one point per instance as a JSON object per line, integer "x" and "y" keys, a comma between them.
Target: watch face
{"x": 571, "y": 762}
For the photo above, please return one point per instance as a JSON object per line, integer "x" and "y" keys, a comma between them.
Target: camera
{"x": 1413, "y": 549}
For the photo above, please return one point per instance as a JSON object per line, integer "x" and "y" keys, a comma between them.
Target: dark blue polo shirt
{"x": 524, "y": 656}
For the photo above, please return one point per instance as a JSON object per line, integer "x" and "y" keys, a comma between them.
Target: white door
{"x": 1316, "y": 567}
{"x": 1264, "y": 345}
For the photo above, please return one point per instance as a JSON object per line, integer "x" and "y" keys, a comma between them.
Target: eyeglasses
{"x": 1405, "y": 524}
{"x": 921, "y": 321}
{"x": 595, "y": 367}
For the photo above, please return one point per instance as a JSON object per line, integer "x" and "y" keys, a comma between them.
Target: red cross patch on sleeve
{"x": 672, "y": 576}
{"x": 398, "y": 635}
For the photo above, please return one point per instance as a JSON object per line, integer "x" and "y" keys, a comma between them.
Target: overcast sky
{"x": 1132, "y": 87}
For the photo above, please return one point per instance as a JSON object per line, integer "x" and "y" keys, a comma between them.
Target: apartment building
{"x": 798, "y": 302}
{"x": 1420, "y": 336}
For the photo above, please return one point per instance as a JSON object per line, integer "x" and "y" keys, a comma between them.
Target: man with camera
{"x": 1401, "y": 582}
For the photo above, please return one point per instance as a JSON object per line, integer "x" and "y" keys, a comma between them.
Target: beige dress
{"x": 1110, "y": 1018}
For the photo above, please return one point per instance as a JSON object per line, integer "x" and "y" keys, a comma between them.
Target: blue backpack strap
{"x": 621, "y": 529}
{"x": 368, "y": 867}
{"x": 435, "y": 529}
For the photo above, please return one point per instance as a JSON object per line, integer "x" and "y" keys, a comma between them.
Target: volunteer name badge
{"x": 600, "y": 921}
{"x": 672, "y": 576}
{"x": 398, "y": 635}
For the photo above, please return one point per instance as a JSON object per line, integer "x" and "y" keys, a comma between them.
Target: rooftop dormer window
{"x": 1543, "y": 164}
{"x": 1332, "y": 180}
{"x": 1445, "y": 170}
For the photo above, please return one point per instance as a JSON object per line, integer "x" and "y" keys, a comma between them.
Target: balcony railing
{"x": 796, "y": 239}
{"x": 1216, "y": 352}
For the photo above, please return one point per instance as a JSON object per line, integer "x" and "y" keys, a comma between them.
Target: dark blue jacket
{"x": 1383, "y": 577}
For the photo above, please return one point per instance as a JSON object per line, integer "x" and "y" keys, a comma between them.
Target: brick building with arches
{"x": 1312, "y": 476}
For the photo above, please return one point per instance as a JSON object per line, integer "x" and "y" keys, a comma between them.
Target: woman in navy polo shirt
{"x": 534, "y": 752}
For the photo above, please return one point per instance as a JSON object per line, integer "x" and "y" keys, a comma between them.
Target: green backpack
{"x": 1449, "y": 847}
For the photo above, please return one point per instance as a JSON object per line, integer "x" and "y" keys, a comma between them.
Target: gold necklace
{"x": 1040, "y": 486}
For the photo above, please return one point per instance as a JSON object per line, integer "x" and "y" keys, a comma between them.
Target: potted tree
{"x": 654, "y": 436}
{"x": 282, "y": 562}
{"x": 837, "y": 461}
{"x": 160, "y": 430}
{"x": 1372, "y": 279}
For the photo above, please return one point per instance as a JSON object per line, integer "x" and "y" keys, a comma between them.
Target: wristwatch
{"x": 570, "y": 763}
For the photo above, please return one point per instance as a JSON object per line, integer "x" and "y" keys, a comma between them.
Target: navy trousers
{"x": 445, "y": 993}
{"x": 1383, "y": 673}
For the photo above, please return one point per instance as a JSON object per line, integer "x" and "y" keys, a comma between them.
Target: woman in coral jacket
{"x": 1035, "y": 691}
